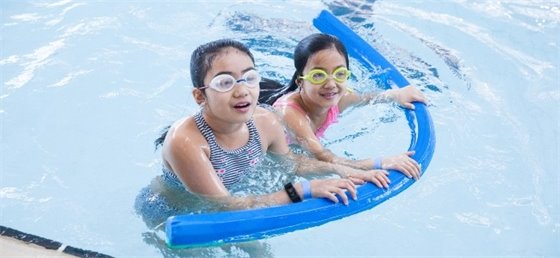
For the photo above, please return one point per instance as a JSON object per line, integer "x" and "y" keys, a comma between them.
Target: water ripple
{"x": 36, "y": 60}
{"x": 91, "y": 26}
{"x": 473, "y": 219}
{"x": 527, "y": 64}
{"x": 69, "y": 77}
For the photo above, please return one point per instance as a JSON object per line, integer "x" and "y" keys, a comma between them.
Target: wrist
{"x": 390, "y": 95}
{"x": 292, "y": 192}
{"x": 378, "y": 163}
{"x": 306, "y": 189}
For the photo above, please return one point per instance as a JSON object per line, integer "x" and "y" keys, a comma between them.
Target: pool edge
{"x": 15, "y": 243}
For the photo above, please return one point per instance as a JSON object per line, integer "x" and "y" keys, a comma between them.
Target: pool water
{"x": 87, "y": 87}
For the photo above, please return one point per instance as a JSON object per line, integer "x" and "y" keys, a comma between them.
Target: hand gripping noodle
{"x": 237, "y": 226}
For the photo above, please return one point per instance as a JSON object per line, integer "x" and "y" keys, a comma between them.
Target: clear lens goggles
{"x": 226, "y": 82}
{"x": 320, "y": 76}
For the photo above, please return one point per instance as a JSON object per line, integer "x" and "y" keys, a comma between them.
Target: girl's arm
{"x": 186, "y": 153}
{"x": 403, "y": 96}
{"x": 325, "y": 162}
{"x": 320, "y": 188}
{"x": 197, "y": 175}
{"x": 301, "y": 127}
{"x": 274, "y": 138}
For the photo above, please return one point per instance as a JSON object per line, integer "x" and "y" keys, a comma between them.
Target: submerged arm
{"x": 187, "y": 153}
{"x": 319, "y": 188}
{"x": 196, "y": 173}
{"x": 301, "y": 127}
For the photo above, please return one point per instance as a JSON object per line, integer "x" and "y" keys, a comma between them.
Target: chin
{"x": 243, "y": 115}
{"x": 330, "y": 102}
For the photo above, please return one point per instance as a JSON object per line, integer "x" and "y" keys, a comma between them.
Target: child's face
{"x": 329, "y": 92}
{"x": 238, "y": 104}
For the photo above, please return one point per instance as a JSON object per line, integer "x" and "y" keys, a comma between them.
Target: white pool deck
{"x": 14, "y": 243}
{"x": 11, "y": 247}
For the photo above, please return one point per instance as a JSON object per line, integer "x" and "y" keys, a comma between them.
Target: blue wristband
{"x": 377, "y": 163}
{"x": 306, "y": 185}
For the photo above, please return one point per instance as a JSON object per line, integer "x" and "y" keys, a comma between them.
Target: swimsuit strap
{"x": 332, "y": 117}
{"x": 207, "y": 132}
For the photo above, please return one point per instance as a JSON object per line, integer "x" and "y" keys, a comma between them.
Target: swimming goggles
{"x": 225, "y": 82}
{"x": 319, "y": 76}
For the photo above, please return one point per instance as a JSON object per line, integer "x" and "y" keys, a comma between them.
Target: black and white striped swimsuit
{"x": 230, "y": 165}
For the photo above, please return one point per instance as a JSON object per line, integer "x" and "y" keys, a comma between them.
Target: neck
{"x": 221, "y": 127}
{"x": 229, "y": 135}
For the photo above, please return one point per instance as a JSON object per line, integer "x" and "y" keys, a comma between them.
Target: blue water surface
{"x": 86, "y": 86}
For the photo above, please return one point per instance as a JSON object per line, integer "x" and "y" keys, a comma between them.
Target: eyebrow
{"x": 324, "y": 69}
{"x": 230, "y": 73}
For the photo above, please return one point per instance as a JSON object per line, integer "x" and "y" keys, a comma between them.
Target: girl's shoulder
{"x": 183, "y": 125}
{"x": 181, "y": 130}
{"x": 267, "y": 120}
{"x": 286, "y": 99}
{"x": 349, "y": 98}
{"x": 289, "y": 102}
{"x": 263, "y": 114}
{"x": 271, "y": 130}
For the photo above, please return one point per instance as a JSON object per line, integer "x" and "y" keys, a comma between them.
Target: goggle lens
{"x": 320, "y": 76}
{"x": 226, "y": 82}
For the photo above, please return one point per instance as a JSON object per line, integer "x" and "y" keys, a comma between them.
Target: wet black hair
{"x": 159, "y": 141}
{"x": 271, "y": 90}
{"x": 311, "y": 45}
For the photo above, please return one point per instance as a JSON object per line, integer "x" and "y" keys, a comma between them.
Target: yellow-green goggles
{"x": 320, "y": 76}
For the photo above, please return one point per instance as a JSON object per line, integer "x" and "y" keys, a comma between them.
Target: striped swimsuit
{"x": 230, "y": 165}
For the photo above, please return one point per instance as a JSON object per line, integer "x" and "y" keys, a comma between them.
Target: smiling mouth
{"x": 242, "y": 105}
{"x": 328, "y": 95}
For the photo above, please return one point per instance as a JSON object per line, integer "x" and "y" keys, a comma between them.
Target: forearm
{"x": 254, "y": 201}
{"x": 379, "y": 97}
{"x": 405, "y": 97}
{"x": 311, "y": 166}
{"x": 364, "y": 164}
{"x": 328, "y": 156}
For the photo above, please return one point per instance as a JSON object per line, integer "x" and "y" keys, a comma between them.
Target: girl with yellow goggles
{"x": 311, "y": 104}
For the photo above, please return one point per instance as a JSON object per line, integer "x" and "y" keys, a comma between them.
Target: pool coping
{"x": 15, "y": 243}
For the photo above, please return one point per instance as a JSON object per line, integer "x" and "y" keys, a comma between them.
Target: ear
{"x": 199, "y": 96}
{"x": 298, "y": 82}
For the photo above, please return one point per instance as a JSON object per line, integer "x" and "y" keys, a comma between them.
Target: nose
{"x": 240, "y": 89}
{"x": 330, "y": 83}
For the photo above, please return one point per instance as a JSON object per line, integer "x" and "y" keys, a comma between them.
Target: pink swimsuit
{"x": 332, "y": 114}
